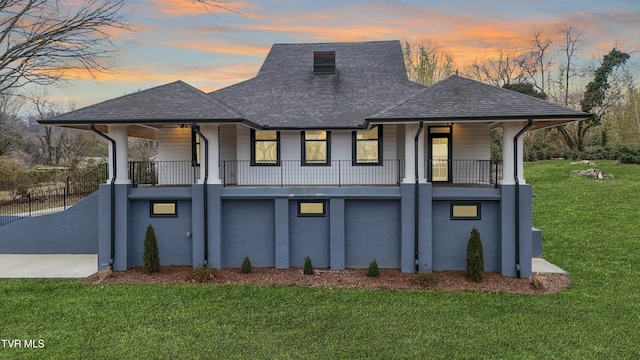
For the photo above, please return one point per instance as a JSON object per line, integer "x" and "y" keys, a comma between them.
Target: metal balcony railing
{"x": 163, "y": 173}
{"x": 464, "y": 172}
{"x": 294, "y": 173}
{"x": 337, "y": 173}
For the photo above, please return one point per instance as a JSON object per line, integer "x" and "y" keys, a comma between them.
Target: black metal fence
{"x": 163, "y": 173}
{"x": 37, "y": 202}
{"x": 464, "y": 172}
{"x": 294, "y": 173}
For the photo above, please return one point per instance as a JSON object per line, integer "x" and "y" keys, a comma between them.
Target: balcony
{"x": 340, "y": 173}
{"x": 292, "y": 173}
{"x": 464, "y": 173}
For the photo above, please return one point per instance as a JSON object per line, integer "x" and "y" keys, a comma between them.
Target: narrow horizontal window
{"x": 312, "y": 208}
{"x": 465, "y": 211}
{"x": 164, "y": 209}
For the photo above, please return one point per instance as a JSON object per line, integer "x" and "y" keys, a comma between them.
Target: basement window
{"x": 164, "y": 209}
{"x": 465, "y": 211}
{"x": 312, "y": 208}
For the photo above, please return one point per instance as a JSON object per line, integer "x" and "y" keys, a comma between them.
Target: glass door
{"x": 440, "y": 159}
{"x": 440, "y": 154}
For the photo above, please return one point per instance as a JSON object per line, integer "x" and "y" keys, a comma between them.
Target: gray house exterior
{"x": 329, "y": 152}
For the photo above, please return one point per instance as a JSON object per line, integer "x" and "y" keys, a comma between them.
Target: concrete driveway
{"x": 48, "y": 266}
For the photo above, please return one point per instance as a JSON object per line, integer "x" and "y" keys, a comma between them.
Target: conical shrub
{"x": 308, "y": 267}
{"x": 151, "y": 258}
{"x": 246, "y": 265}
{"x": 475, "y": 257}
{"x": 373, "y": 270}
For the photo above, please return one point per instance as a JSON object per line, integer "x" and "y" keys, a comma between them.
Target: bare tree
{"x": 10, "y": 132}
{"x": 427, "y": 63}
{"x": 572, "y": 42}
{"x": 41, "y": 40}
{"x": 500, "y": 70}
{"x": 537, "y": 63}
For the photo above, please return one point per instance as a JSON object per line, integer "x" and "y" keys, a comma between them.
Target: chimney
{"x": 324, "y": 62}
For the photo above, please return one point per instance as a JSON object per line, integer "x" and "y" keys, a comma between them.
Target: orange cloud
{"x": 209, "y": 77}
{"x": 195, "y": 7}
{"x": 219, "y": 47}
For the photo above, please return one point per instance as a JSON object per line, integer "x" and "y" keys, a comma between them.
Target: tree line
{"x": 549, "y": 68}
{"x": 42, "y": 42}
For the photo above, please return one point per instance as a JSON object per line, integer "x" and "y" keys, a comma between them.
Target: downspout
{"x": 112, "y": 192}
{"x": 416, "y": 222}
{"x": 517, "y": 197}
{"x": 204, "y": 193}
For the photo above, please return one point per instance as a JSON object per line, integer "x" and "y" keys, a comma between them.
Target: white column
{"x": 421, "y": 155}
{"x": 409, "y": 153}
{"x": 410, "y": 131}
{"x": 210, "y": 131}
{"x": 509, "y": 131}
{"x": 119, "y": 134}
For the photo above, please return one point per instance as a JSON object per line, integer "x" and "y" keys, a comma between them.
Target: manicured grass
{"x": 590, "y": 228}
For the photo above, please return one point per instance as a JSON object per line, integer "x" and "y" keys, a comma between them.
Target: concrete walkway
{"x": 542, "y": 266}
{"x": 48, "y": 266}
{"x": 80, "y": 266}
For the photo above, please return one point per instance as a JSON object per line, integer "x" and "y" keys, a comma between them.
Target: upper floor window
{"x": 316, "y": 148}
{"x": 367, "y": 146}
{"x": 265, "y": 147}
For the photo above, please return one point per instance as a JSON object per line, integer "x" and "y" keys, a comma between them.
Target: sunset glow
{"x": 210, "y": 47}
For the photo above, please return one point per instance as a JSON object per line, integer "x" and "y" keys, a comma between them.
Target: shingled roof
{"x": 170, "y": 103}
{"x": 286, "y": 94}
{"x": 460, "y": 99}
{"x": 369, "y": 85}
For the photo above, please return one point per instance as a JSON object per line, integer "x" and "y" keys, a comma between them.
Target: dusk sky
{"x": 177, "y": 40}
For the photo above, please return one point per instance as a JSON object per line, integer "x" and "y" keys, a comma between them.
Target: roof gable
{"x": 459, "y": 98}
{"x": 369, "y": 77}
{"x": 172, "y": 102}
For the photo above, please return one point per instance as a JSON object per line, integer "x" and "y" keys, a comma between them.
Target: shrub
{"x": 425, "y": 279}
{"x": 308, "y": 268}
{"x": 151, "y": 258}
{"x": 373, "y": 270}
{"x": 475, "y": 257}
{"x": 202, "y": 274}
{"x": 246, "y": 265}
{"x": 538, "y": 282}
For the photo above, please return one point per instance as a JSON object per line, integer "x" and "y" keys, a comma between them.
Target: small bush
{"x": 538, "y": 282}
{"x": 373, "y": 270}
{"x": 425, "y": 279}
{"x": 203, "y": 274}
{"x": 151, "y": 258}
{"x": 308, "y": 267}
{"x": 475, "y": 257}
{"x": 246, "y": 265}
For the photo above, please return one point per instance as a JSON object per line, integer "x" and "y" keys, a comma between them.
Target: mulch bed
{"x": 349, "y": 278}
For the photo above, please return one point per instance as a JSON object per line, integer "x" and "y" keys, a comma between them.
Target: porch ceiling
{"x": 134, "y": 130}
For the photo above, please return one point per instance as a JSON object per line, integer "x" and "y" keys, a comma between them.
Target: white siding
{"x": 174, "y": 144}
{"x": 291, "y": 172}
{"x": 400, "y": 142}
{"x": 173, "y": 164}
{"x": 471, "y": 141}
{"x": 228, "y": 142}
{"x": 389, "y": 147}
{"x": 243, "y": 151}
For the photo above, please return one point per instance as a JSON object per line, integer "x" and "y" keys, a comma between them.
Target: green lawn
{"x": 591, "y": 229}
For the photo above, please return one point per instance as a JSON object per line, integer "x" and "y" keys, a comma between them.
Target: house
{"x": 329, "y": 152}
